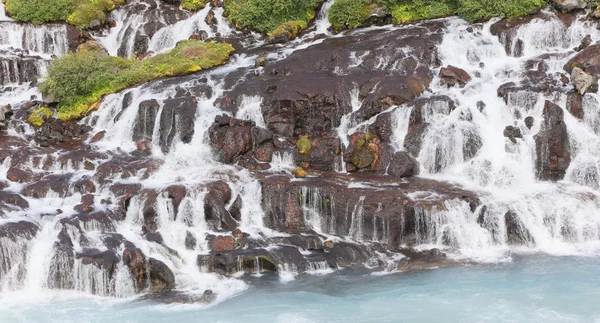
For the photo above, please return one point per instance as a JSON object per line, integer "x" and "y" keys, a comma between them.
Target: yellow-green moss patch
{"x": 39, "y": 116}
{"x": 78, "y": 80}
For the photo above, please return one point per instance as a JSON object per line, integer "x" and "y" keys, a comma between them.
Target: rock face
{"x": 309, "y": 92}
{"x": 552, "y": 145}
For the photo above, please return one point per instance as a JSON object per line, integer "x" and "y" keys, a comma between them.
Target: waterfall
{"x": 48, "y": 39}
{"x": 153, "y": 170}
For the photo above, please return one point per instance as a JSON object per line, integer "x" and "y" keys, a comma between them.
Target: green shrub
{"x": 193, "y": 5}
{"x": 40, "y": 11}
{"x": 78, "y": 80}
{"x": 76, "y": 12}
{"x": 411, "y": 10}
{"x": 349, "y": 13}
{"x": 266, "y": 15}
{"x": 473, "y": 10}
{"x": 353, "y": 13}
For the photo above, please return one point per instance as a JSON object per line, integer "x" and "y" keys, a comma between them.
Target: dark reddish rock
{"x": 23, "y": 176}
{"x": 222, "y": 243}
{"x": 575, "y": 104}
{"x": 529, "y": 121}
{"x": 552, "y": 145}
{"x": 403, "y": 165}
{"x": 420, "y": 260}
{"x": 98, "y": 136}
{"x": 161, "y": 277}
{"x": 452, "y": 75}
{"x": 135, "y": 260}
{"x": 176, "y": 193}
{"x": 12, "y": 200}
{"x": 585, "y": 43}
{"x": 516, "y": 232}
{"x": 217, "y": 216}
{"x": 56, "y": 183}
{"x": 512, "y": 132}
{"x": 588, "y": 60}
{"x": 231, "y": 138}
{"x": 84, "y": 186}
{"x": 17, "y": 230}
{"x": 106, "y": 260}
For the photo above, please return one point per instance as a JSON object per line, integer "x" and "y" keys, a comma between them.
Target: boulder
{"x": 553, "y": 155}
{"x": 583, "y": 81}
{"x": 570, "y": 5}
{"x": 161, "y": 277}
{"x": 452, "y": 75}
{"x": 403, "y": 165}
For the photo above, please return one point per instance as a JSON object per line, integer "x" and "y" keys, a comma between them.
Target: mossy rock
{"x": 300, "y": 172}
{"x": 40, "y": 116}
{"x": 193, "y": 5}
{"x": 303, "y": 145}
{"x": 78, "y": 80}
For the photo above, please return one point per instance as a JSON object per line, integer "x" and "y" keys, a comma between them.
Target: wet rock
{"x": 230, "y": 138}
{"x": 512, "y": 132}
{"x": 452, "y": 76}
{"x": 23, "y": 176}
{"x": 106, "y": 260}
{"x": 420, "y": 260}
{"x": 403, "y": 165}
{"x": 363, "y": 152}
{"x": 217, "y": 216}
{"x": 12, "y": 200}
{"x": 552, "y": 145}
{"x": 58, "y": 132}
{"x": 585, "y": 42}
{"x": 145, "y": 120}
{"x": 347, "y": 255}
{"x": 161, "y": 277}
{"x": 300, "y": 96}
{"x": 575, "y": 104}
{"x": 176, "y": 119}
{"x": 58, "y": 184}
{"x": 236, "y": 208}
{"x": 17, "y": 230}
{"x": 516, "y": 232}
{"x": 529, "y": 121}
{"x": 230, "y": 262}
{"x": 588, "y": 60}
{"x": 414, "y": 138}
{"x": 190, "y": 241}
{"x": 222, "y": 243}
{"x": 135, "y": 260}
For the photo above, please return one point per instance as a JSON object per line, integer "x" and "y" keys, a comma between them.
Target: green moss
{"x": 40, "y": 11}
{"x": 423, "y": 9}
{"x": 270, "y": 16}
{"x": 193, "y": 5}
{"x": 39, "y": 116}
{"x": 80, "y": 13}
{"x": 354, "y": 13}
{"x": 349, "y": 13}
{"x": 303, "y": 145}
{"x": 473, "y": 10}
{"x": 78, "y": 80}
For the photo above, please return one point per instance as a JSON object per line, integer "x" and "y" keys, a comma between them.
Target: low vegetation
{"x": 346, "y": 14}
{"x": 272, "y": 17}
{"x": 81, "y": 13}
{"x": 79, "y": 80}
{"x": 193, "y": 5}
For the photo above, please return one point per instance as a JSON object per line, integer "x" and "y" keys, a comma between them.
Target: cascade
{"x": 161, "y": 189}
